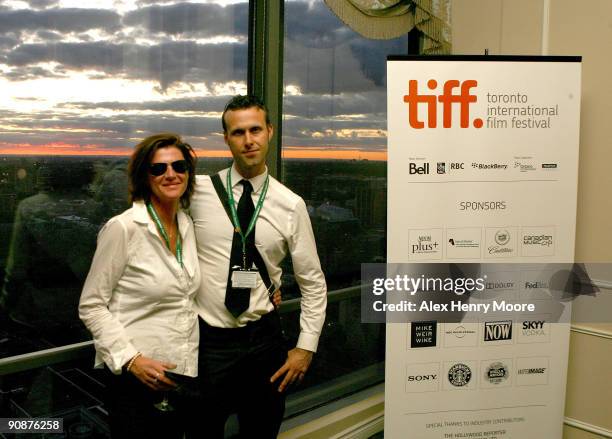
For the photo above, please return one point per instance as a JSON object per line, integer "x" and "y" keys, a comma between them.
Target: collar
{"x": 257, "y": 181}
{"x": 141, "y": 215}
{"x": 140, "y": 212}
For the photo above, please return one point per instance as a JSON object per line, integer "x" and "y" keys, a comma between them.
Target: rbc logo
{"x": 447, "y": 99}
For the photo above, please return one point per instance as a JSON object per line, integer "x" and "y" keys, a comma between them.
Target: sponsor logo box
{"x": 423, "y": 334}
{"x": 532, "y": 371}
{"x": 460, "y": 375}
{"x": 425, "y": 244}
{"x": 422, "y": 377}
{"x": 463, "y": 243}
{"x": 497, "y": 332}
{"x": 502, "y": 285}
{"x": 537, "y": 241}
{"x": 460, "y": 334}
{"x": 496, "y": 373}
{"x": 533, "y": 329}
{"x": 500, "y": 242}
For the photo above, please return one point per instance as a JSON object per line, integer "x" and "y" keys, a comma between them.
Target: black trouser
{"x": 235, "y": 367}
{"x": 132, "y": 413}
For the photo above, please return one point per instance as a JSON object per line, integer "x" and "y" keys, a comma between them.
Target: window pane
{"x": 334, "y": 155}
{"x": 82, "y": 83}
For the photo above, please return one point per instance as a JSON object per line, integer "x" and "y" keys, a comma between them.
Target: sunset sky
{"x": 96, "y": 80}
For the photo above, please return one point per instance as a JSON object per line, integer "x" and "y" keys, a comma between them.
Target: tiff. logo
{"x": 447, "y": 99}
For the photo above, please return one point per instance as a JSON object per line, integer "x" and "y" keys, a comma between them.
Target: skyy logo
{"x": 447, "y": 99}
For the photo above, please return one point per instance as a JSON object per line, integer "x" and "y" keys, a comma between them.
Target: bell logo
{"x": 447, "y": 99}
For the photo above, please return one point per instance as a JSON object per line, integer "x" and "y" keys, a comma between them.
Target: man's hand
{"x": 277, "y": 298}
{"x": 294, "y": 369}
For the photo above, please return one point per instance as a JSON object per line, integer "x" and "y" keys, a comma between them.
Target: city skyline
{"x": 291, "y": 152}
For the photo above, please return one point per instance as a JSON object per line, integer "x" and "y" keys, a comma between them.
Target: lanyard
{"x": 162, "y": 232}
{"x": 260, "y": 201}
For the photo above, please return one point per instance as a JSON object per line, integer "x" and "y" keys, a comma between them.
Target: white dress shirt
{"x": 283, "y": 226}
{"x": 138, "y": 298}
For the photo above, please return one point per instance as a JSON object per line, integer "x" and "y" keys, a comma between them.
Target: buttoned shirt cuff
{"x": 308, "y": 342}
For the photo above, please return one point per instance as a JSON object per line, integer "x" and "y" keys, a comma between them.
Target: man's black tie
{"x": 237, "y": 299}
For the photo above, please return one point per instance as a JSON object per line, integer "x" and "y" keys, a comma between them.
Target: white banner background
{"x": 522, "y": 186}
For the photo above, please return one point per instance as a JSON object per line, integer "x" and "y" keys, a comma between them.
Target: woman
{"x": 137, "y": 299}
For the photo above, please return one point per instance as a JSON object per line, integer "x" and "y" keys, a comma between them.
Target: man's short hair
{"x": 243, "y": 102}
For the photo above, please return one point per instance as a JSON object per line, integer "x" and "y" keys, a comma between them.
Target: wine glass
{"x": 164, "y": 405}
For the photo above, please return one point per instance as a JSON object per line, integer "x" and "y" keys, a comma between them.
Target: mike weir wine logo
{"x": 423, "y": 334}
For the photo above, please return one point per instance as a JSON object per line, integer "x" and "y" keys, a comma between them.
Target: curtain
{"x": 386, "y": 19}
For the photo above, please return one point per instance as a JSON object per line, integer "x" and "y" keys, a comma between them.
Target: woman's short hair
{"x": 138, "y": 167}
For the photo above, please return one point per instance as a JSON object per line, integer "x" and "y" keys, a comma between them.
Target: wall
{"x": 565, "y": 27}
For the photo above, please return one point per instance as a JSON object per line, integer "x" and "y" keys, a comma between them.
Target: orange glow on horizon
{"x": 291, "y": 152}
{"x": 60, "y": 149}
{"x": 331, "y": 154}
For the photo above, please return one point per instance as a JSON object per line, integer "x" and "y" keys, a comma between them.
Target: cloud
{"x": 202, "y": 104}
{"x": 42, "y": 4}
{"x": 46, "y": 35}
{"x": 8, "y": 41}
{"x": 167, "y": 62}
{"x": 322, "y": 55}
{"x": 117, "y": 130}
{"x": 61, "y": 20}
{"x": 204, "y": 20}
{"x": 340, "y": 76}
{"x": 357, "y": 65}
{"x": 369, "y": 103}
{"x": 29, "y": 73}
{"x": 314, "y": 25}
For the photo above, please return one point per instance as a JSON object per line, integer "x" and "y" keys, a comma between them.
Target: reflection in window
{"x": 82, "y": 83}
{"x": 334, "y": 155}
{"x": 334, "y": 138}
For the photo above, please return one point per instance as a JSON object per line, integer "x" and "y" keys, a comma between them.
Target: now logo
{"x": 447, "y": 100}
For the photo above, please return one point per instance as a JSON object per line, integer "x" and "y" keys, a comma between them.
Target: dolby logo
{"x": 497, "y": 331}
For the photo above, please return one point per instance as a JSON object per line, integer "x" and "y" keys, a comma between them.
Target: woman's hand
{"x": 150, "y": 372}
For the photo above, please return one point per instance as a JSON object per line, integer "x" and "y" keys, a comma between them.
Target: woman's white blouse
{"x": 138, "y": 298}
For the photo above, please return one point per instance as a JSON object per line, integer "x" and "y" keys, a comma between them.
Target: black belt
{"x": 268, "y": 323}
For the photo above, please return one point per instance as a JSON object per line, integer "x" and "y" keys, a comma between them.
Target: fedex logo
{"x": 448, "y": 97}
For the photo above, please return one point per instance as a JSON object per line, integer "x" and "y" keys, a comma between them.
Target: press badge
{"x": 242, "y": 278}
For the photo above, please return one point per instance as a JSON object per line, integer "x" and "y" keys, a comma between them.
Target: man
{"x": 245, "y": 366}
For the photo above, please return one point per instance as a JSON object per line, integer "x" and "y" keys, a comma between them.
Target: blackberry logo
{"x": 459, "y": 375}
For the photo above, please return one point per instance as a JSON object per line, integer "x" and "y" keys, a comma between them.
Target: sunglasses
{"x": 179, "y": 166}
